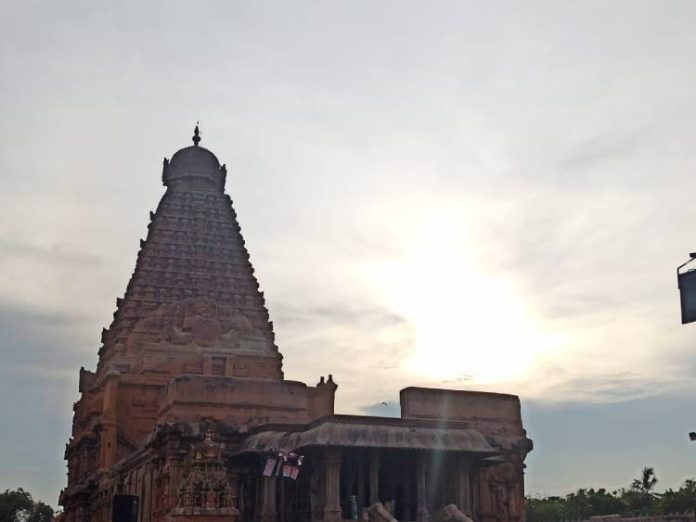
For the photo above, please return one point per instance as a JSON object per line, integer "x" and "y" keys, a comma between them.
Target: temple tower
{"x": 190, "y": 340}
{"x": 188, "y": 417}
{"x": 193, "y": 304}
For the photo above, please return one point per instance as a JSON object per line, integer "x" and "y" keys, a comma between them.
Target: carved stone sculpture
{"x": 206, "y": 488}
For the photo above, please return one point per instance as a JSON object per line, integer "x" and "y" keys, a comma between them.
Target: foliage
{"x": 639, "y": 498}
{"x": 41, "y": 513}
{"x": 587, "y": 503}
{"x": 18, "y": 506}
{"x": 582, "y": 504}
{"x": 684, "y": 499}
{"x": 547, "y": 509}
{"x": 646, "y": 483}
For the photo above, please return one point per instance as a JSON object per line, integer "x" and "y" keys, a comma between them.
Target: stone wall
{"x": 458, "y": 404}
{"x": 495, "y": 415}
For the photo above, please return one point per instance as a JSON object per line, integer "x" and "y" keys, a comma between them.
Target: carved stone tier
{"x": 193, "y": 284}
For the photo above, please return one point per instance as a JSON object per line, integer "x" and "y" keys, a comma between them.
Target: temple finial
{"x": 196, "y": 138}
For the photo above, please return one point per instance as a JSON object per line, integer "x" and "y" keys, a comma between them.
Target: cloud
{"x": 40, "y": 338}
{"x": 383, "y": 409}
{"x": 597, "y": 150}
{"x": 305, "y": 313}
{"x": 53, "y": 253}
{"x": 612, "y": 388}
{"x": 553, "y": 142}
{"x": 37, "y": 386}
{"x": 361, "y": 344}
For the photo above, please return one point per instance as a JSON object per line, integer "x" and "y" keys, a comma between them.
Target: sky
{"x": 480, "y": 195}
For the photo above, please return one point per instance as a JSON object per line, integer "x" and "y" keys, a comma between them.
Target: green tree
{"x": 646, "y": 483}
{"x": 679, "y": 501}
{"x": 641, "y": 498}
{"x": 18, "y": 506}
{"x": 586, "y": 503}
{"x": 545, "y": 509}
{"x": 41, "y": 513}
{"x": 582, "y": 504}
{"x": 14, "y": 504}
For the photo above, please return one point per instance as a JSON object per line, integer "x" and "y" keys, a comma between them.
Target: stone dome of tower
{"x": 194, "y": 165}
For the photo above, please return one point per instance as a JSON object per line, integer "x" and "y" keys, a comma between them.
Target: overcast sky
{"x": 489, "y": 195}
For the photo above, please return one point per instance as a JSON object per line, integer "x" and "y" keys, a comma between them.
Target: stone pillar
{"x": 463, "y": 477}
{"x": 516, "y": 491}
{"x": 374, "y": 476}
{"x": 147, "y": 494}
{"x": 332, "y": 504}
{"x": 361, "y": 483}
{"x": 421, "y": 491}
{"x": 475, "y": 474}
{"x": 174, "y": 471}
{"x": 409, "y": 494}
{"x": 268, "y": 499}
{"x": 139, "y": 475}
{"x": 108, "y": 452}
{"x": 317, "y": 488}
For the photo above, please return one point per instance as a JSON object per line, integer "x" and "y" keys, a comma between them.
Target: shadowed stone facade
{"x": 189, "y": 401}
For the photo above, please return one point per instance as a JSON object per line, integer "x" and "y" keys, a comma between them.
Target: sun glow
{"x": 469, "y": 325}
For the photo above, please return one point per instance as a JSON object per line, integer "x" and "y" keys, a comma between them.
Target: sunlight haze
{"x": 476, "y": 195}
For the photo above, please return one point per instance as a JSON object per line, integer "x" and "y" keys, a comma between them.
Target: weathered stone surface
{"x": 450, "y": 513}
{"x": 377, "y": 513}
{"x": 188, "y": 404}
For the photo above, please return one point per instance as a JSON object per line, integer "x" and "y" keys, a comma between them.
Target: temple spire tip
{"x": 196, "y": 138}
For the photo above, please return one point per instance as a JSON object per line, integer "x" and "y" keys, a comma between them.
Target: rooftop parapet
{"x": 433, "y": 403}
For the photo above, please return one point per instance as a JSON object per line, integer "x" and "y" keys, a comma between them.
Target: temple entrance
{"x": 398, "y": 483}
{"x": 392, "y": 476}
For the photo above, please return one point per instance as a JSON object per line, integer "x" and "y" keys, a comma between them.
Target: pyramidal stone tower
{"x": 188, "y": 416}
{"x": 193, "y": 284}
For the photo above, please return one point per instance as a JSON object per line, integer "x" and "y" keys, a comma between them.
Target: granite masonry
{"x": 188, "y": 416}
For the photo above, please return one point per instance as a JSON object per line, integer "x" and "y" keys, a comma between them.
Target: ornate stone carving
{"x": 202, "y": 322}
{"x": 206, "y": 488}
